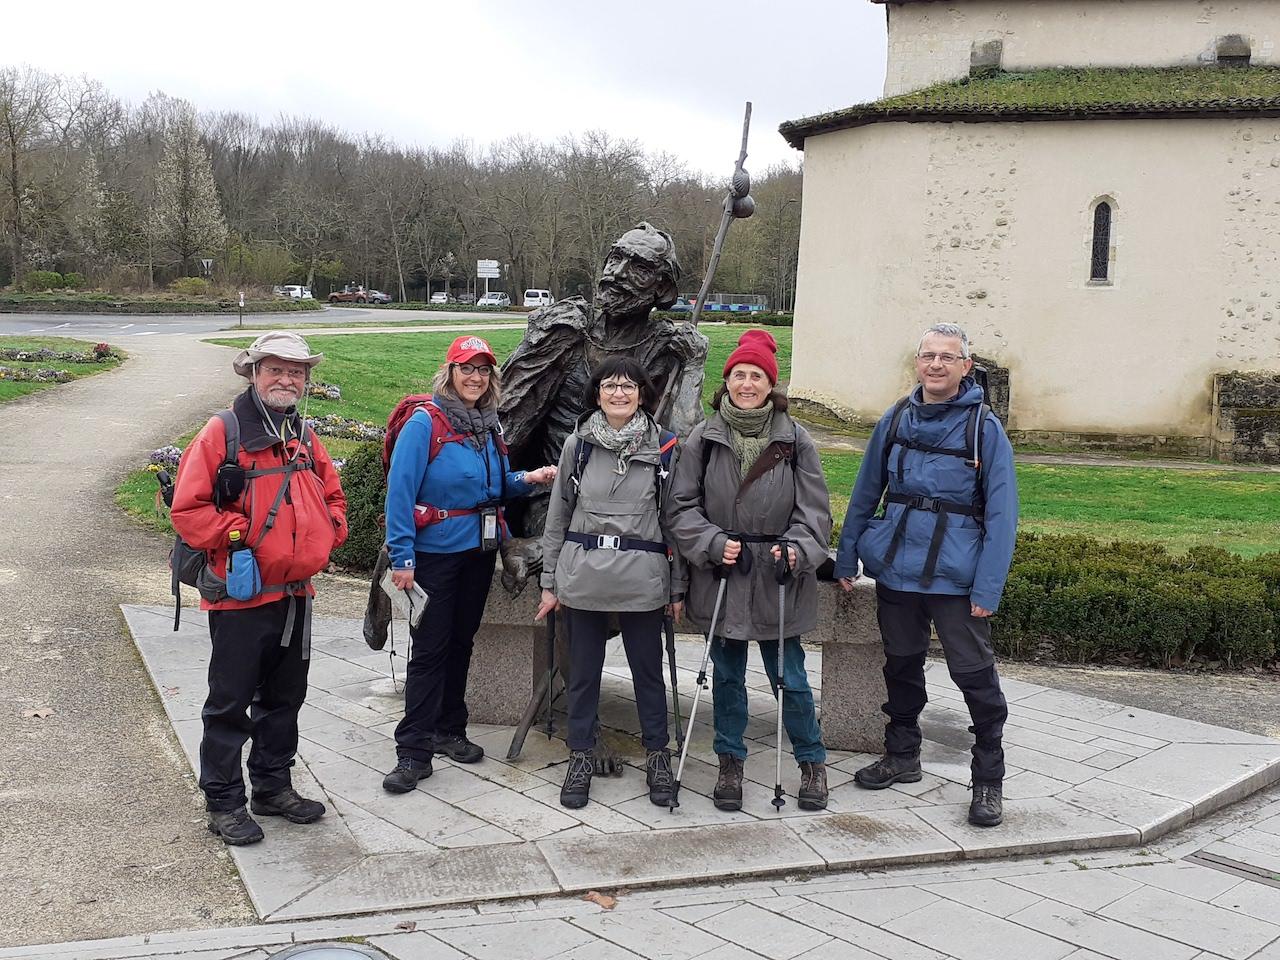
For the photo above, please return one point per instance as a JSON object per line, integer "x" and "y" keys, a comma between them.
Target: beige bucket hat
{"x": 286, "y": 346}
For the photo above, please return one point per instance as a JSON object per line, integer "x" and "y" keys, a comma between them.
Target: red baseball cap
{"x": 465, "y": 349}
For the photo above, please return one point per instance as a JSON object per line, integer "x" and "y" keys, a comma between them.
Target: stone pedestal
{"x": 510, "y": 656}
{"x": 852, "y": 661}
{"x": 509, "y": 652}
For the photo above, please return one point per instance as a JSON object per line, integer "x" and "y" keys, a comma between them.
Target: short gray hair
{"x": 948, "y": 330}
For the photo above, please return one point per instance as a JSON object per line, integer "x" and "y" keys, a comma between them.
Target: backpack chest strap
{"x": 931, "y": 505}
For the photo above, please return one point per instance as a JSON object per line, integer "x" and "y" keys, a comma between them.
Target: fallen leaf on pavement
{"x": 407, "y": 925}
{"x": 37, "y": 713}
{"x": 603, "y": 899}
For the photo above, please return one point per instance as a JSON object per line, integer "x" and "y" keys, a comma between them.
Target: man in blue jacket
{"x": 940, "y": 553}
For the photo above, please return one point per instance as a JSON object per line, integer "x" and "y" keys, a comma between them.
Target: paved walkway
{"x": 1205, "y": 893}
{"x": 1083, "y": 774}
{"x": 97, "y": 805}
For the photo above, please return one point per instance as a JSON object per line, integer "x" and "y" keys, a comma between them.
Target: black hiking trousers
{"x": 256, "y": 688}
{"x": 966, "y": 641}
{"x": 435, "y": 685}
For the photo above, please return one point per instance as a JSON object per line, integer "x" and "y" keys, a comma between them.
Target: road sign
{"x": 208, "y": 265}
{"x": 242, "y": 299}
{"x": 487, "y": 269}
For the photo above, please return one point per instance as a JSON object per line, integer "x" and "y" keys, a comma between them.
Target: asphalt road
{"x": 100, "y": 326}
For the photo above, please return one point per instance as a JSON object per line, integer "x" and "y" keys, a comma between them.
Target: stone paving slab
{"x": 1116, "y": 905}
{"x": 1083, "y": 774}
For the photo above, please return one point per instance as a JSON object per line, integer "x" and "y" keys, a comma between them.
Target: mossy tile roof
{"x": 1208, "y": 91}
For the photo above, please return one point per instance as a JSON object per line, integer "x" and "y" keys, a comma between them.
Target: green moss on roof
{"x": 1066, "y": 95}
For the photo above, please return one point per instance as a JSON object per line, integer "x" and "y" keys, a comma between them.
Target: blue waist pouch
{"x": 244, "y": 582}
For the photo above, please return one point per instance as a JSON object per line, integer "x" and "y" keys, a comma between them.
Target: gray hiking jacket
{"x": 784, "y": 492}
{"x": 617, "y": 581}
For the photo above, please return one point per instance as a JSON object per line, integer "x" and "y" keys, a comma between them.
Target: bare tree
{"x": 25, "y": 101}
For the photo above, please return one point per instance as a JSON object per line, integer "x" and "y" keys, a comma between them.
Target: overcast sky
{"x": 673, "y": 74}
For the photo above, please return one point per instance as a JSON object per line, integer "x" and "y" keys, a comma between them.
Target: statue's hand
{"x": 541, "y": 476}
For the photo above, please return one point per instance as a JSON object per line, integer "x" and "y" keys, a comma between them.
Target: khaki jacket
{"x": 785, "y": 493}
{"x": 617, "y": 581}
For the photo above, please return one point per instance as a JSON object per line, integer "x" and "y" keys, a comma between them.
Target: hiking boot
{"x": 288, "y": 804}
{"x": 728, "y": 792}
{"x": 235, "y": 827}
{"x": 457, "y": 747}
{"x": 888, "y": 770}
{"x": 577, "y": 780}
{"x": 657, "y": 767}
{"x": 406, "y": 775}
{"x": 813, "y": 786}
{"x": 987, "y": 808}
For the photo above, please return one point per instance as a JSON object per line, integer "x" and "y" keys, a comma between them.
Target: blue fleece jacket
{"x": 459, "y": 478}
{"x": 974, "y": 558}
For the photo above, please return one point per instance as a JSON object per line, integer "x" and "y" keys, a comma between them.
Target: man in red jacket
{"x": 279, "y": 505}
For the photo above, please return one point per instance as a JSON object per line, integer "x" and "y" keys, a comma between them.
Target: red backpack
{"x": 442, "y": 431}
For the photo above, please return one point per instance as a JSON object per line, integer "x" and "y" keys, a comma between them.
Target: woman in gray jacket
{"x": 749, "y": 478}
{"x": 605, "y": 552}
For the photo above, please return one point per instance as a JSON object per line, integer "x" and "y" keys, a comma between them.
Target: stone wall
{"x": 989, "y": 225}
{"x": 940, "y": 42}
{"x": 1246, "y": 409}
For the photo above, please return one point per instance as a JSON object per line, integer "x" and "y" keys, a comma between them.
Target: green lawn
{"x": 338, "y": 323}
{"x": 9, "y": 389}
{"x": 1179, "y": 508}
{"x": 375, "y": 370}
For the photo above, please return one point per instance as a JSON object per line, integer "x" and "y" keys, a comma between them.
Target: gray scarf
{"x": 624, "y": 442}
{"x": 473, "y": 421}
{"x": 748, "y": 431}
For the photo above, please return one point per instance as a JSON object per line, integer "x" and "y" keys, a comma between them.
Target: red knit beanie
{"x": 757, "y": 347}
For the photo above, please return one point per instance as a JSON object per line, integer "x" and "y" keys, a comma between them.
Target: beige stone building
{"x": 1090, "y": 187}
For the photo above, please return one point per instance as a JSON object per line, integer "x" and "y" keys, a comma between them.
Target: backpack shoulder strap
{"x": 231, "y": 427}
{"x": 442, "y": 431}
{"x": 666, "y": 450}
{"x": 891, "y": 437}
{"x": 973, "y": 432}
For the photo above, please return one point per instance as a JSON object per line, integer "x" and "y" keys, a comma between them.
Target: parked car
{"x": 293, "y": 291}
{"x": 494, "y": 299}
{"x": 377, "y": 296}
{"x": 538, "y": 298}
{"x": 351, "y": 293}
{"x": 682, "y": 305}
{"x": 441, "y": 296}
{"x": 466, "y": 298}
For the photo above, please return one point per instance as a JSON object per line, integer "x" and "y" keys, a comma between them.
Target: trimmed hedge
{"x": 366, "y": 490}
{"x": 120, "y": 304}
{"x": 1079, "y": 599}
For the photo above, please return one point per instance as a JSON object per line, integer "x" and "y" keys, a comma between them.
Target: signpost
{"x": 487, "y": 269}
{"x": 242, "y": 308}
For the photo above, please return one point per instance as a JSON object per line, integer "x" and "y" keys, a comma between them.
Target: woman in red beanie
{"x": 750, "y": 479}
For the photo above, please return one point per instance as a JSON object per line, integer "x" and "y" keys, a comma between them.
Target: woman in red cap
{"x": 448, "y": 479}
{"x": 749, "y": 485}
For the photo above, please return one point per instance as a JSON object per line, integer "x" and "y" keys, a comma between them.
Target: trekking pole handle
{"x": 782, "y": 565}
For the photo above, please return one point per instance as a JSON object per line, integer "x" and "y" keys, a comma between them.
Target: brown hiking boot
{"x": 728, "y": 791}
{"x": 813, "y": 786}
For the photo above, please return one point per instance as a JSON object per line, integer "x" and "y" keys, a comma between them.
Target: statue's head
{"x": 640, "y": 273}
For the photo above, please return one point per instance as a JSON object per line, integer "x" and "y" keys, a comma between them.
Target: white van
{"x": 538, "y": 298}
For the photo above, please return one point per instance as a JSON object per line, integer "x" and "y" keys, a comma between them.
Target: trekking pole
{"x": 669, "y": 628}
{"x": 781, "y": 573}
{"x": 551, "y": 670}
{"x": 722, "y": 576}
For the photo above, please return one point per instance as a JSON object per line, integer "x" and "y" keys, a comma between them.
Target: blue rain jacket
{"x": 974, "y": 558}
{"x": 459, "y": 478}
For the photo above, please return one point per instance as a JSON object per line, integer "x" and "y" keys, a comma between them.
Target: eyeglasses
{"x": 470, "y": 369}
{"x": 626, "y": 389}
{"x": 275, "y": 372}
{"x": 946, "y": 359}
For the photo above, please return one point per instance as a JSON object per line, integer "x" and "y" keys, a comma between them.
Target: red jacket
{"x": 311, "y": 521}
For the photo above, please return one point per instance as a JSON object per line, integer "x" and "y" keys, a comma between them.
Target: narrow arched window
{"x": 1101, "y": 266}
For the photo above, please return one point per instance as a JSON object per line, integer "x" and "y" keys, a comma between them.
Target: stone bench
{"x": 510, "y": 657}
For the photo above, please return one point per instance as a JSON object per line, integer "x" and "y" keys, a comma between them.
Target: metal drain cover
{"x": 329, "y": 951}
